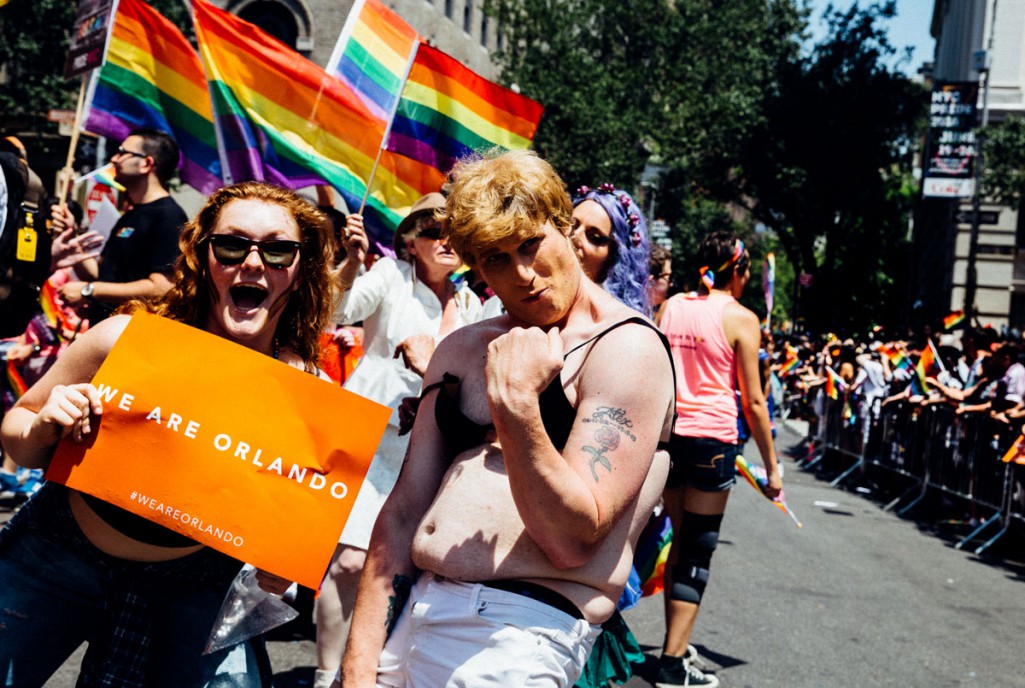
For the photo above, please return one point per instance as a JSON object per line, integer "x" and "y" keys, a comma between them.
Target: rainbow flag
{"x": 372, "y": 55}
{"x": 952, "y": 320}
{"x": 834, "y": 384}
{"x": 898, "y": 359}
{"x": 284, "y": 119}
{"x": 459, "y": 276}
{"x": 448, "y": 112}
{"x": 56, "y": 320}
{"x": 849, "y": 413}
{"x": 153, "y": 78}
{"x": 652, "y": 553}
{"x": 102, "y": 175}
{"x": 791, "y": 364}
{"x": 1017, "y": 451}
{"x": 14, "y": 381}
{"x": 757, "y": 478}
{"x": 929, "y": 361}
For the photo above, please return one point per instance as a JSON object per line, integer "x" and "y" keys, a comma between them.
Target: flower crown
{"x": 632, "y": 219}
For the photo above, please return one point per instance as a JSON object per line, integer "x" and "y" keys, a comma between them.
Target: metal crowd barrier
{"x": 936, "y": 449}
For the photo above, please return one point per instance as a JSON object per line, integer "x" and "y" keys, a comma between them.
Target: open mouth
{"x": 247, "y": 297}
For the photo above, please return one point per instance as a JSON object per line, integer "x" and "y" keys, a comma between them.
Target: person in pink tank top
{"x": 715, "y": 343}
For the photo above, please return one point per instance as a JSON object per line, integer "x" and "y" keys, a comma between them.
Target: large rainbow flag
{"x": 448, "y": 111}
{"x": 284, "y": 119}
{"x": 153, "y": 78}
{"x": 372, "y": 55}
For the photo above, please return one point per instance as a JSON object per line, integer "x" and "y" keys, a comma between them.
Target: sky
{"x": 909, "y": 28}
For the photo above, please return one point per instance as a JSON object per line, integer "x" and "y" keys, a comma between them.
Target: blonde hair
{"x": 308, "y": 309}
{"x": 499, "y": 195}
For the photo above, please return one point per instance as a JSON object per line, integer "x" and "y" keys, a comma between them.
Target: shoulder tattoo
{"x": 614, "y": 418}
{"x": 607, "y": 440}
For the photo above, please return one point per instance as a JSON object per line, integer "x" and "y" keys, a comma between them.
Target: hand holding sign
{"x": 68, "y": 409}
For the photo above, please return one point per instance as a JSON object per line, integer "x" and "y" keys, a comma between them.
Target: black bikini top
{"x": 557, "y": 414}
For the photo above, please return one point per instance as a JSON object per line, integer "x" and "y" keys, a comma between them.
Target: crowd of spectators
{"x": 976, "y": 373}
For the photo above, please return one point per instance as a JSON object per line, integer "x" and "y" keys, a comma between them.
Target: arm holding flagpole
{"x": 356, "y": 245}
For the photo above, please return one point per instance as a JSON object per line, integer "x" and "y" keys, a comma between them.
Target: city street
{"x": 858, "y": 597}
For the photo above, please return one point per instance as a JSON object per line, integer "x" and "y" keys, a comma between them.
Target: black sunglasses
{"x": 121, "y": 150}
{"x": 232, "y": 250}
{"x": 429, "y": 232}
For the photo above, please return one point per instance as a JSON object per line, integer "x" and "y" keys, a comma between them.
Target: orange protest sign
{"x": 231, "y": 448}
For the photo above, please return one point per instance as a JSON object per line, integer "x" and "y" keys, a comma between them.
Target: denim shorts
{"x": 56, "y": 590}
{"x": 703, "y": 463}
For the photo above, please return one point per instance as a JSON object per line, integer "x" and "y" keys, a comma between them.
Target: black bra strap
{"x": 446, "y": 379}
{"x": 661, "y": 337}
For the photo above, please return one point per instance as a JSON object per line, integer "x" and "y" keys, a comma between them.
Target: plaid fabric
{"x": 118, "y": 654}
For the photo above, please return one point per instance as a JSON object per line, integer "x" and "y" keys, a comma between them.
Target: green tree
{"x": 34, "y": 36}
{"x": 1003, "y": 148}
{"x": 829, "y": 170}
{"x": 33, "y": 47}
{"x": 622, "y": 81}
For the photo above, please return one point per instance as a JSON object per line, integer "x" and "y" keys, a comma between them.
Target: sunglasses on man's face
{"x": 232, "y": 250}
{"x": 121, "y": 150}
{"x": 429, "y": 232}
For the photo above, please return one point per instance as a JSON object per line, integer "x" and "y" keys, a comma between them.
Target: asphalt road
{"x": 857, "y": 598}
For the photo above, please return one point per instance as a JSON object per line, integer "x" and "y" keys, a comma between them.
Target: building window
{"x": 500, "y": 36}
{"x": 274, "y": 18}
{"x": 448, "y": 8}
{"x": 484, "y": 29}
{"x": 468, "y": 16}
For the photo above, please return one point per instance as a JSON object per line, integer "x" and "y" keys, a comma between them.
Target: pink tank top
{"x": 706, "y": 403}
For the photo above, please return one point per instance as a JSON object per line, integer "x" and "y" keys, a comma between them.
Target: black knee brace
{"x": 697, "y": 539}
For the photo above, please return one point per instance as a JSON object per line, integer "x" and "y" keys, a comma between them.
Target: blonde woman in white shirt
{"x": 407, "y": 305}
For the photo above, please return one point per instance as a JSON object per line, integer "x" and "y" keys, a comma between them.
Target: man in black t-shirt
{"x": 138, "y": 258}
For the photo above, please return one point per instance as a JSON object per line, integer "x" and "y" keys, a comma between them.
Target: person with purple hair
{"x": 610, "y": 237}
{"x": 611, "y": 241}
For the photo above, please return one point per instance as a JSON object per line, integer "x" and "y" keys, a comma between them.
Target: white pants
{"x": 457, "y": 634}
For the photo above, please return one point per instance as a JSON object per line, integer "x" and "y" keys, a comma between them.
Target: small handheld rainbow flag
{"x": 103, "y": 175}
{"x": 14, "y": 381}
{"x": 929, "y": 362}
{"x": 898, "y": 359}
{"x": 790, "y": 365}
{"x": 834, "y": 384}
{"x": 756, "y": 477}
{"x": 1017, "y": 451}
{"x": 459, "y": 276}
{"x": 953, "y": 319}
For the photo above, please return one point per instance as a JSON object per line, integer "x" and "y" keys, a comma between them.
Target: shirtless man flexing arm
{"x": 533, "y": 464}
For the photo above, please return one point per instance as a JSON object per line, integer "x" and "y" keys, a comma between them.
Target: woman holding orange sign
{"x": 255, "y": 271}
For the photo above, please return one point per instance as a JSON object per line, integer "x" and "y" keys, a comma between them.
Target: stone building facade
{"x": 962, "y": 28}
{"x": 458, "y": 27}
